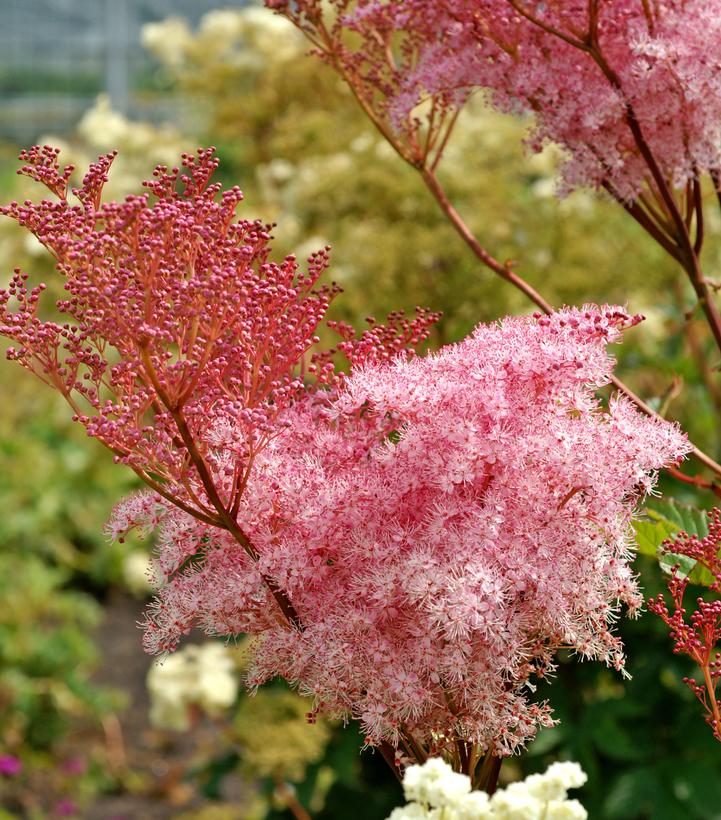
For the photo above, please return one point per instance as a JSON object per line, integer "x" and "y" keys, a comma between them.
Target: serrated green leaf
{"x": 650, "y": 534}
{"x": 686, "y": 518}
{"x": 663, "y": 521}
{"x": 688, "y": 568}
{"x": 669, "y": 560}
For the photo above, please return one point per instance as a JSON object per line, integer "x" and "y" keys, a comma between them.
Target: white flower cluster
{"x": 139, "y": 573}
{"x": 435, "y": 791}
{"x": 246, "y": 37}
{"x": 195, "y": 676}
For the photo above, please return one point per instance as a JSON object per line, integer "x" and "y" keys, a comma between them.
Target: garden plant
{"x": 410, "y": 538}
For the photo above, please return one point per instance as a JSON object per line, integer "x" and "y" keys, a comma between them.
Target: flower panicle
{"x": 697, "y": 636}
{"x": 175, "y": 322}
{"x": 643, "y": 84}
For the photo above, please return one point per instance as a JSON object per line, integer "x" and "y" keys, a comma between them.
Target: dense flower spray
{"x": 180, "y": 344}
{"x": 629, "y": 89}
{"x": 456, "y": 519}
{"x": 411, "y": 543}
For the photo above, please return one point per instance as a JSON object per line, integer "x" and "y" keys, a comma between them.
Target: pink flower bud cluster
{"x": 443, "y": 525}
{"x": 180, "y": 343}
{"x": 584, "y": 68}
{"x": 699, "y": 637}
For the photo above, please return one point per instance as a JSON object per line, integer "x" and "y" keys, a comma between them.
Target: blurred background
{"x": 90, "y": 727}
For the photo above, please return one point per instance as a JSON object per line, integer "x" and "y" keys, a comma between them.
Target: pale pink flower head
{"x": 443, "y": 525}
{"x": 595, "y": 75}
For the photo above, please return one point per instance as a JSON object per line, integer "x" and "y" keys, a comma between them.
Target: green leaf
{"x": 670, "y": 559}
{"x": 615, "y": 742}
{"x": 663, "y": 521}
{"x": 666, "y": 807}
{"x": 632, "y": 794}
{"x": 699, "y": 785}
{"x": 686, "y": 518}
{"x": 650, "y": 534}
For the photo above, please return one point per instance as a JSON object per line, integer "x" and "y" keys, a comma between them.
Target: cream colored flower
{"x": 202, "y": 676}
{"x": 434, "y": 790}
{"x": 168, "y": 40}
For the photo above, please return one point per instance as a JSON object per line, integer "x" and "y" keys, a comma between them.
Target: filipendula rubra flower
{"x": 180, "y": 344}
{"x": 410, "y": 544}
{"x": 613, "y": 81}
{"x": 452, "y": 522}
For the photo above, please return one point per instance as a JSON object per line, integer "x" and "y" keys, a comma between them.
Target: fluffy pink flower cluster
{"x": 410, "y": 544}
{"x": 181, "y": 343}
{"x": 442, "y": 525}
{"x": 595, "y": 73}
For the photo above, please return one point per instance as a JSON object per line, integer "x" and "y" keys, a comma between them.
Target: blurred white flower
{"x": 434, "y": 790}
{"x": 223, "y": 24}
{"x": 414, "y": 811}
{"x": 253, "y": 36}
{"x": 516, "y": 804}
{"x": 473, "y": 806}
{"x": 270, "y": 34}
{"x": 435, "y": 782}
{"x": 138, "y": 573}
{"x": 565, "y": 810}
{"x": 581, "y": 203}
{"x": 544, "y": 188}
{"x": 280, "y": 170}
{"x": 168, "y": 40}
{"x": 104, "y": 129}
{"x": 195, "y": 676}
{"x": 547, "y": 161}
{"x": 362, "y": 142}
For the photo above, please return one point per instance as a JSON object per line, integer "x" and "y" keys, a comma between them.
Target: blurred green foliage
{"x": 46, "y": 650}
{"x": 56, "y": 486}
{"x": 28, "y": 80}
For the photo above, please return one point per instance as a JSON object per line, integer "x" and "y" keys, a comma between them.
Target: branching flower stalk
{"x": 625, "y": 87}
{"x": 179, "y": 325}
{"x": 698, "y": 637}
{"x": 410, "y": 543}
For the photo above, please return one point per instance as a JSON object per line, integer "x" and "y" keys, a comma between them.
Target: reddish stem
{"x": 226, "y": 519}
{"x": 696, "y": 480}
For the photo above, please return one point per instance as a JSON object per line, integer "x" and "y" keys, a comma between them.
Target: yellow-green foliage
{"x": 275, "y": 739}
